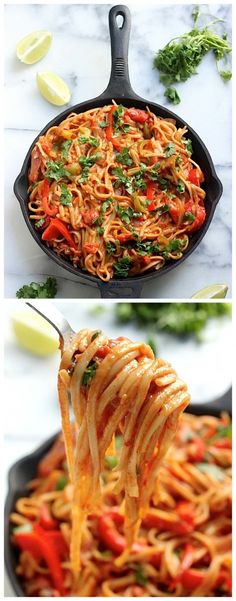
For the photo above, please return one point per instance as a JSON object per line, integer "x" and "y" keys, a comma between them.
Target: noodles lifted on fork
{"x": 116, "y": 383}
{"x": 116, "y": 191}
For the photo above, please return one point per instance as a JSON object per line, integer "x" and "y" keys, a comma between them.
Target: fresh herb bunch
{"x": 179, "y": 59}
{"x": 46, "y": 289}
{"x": 180, "y": 319}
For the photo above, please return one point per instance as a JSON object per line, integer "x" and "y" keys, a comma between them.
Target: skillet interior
{"x": 119, "y": 89}
{"x": 24, "y": 470}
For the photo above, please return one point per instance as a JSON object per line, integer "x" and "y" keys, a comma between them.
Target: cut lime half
{"x": 214, "y": 291}
{"x": 33, "y": 47}
{"x": 53, "y": 88}
{"x": 34, "y": 334}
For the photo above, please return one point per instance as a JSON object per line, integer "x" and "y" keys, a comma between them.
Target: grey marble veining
{"x": 80, "y": 53}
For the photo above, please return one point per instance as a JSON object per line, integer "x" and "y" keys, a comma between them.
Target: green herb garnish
{"x": 40, "y": 223}
{"x": 87, "y": 162}
{"x": 124, "y": 157}
{"x": 169, "y": 149}
{"x": 111, "y": 461}
{"x": 66, "y": 196}
{"x": 188, "y": 216}
{"x": 122, "y": 266}
{"x": 180, "y": 186}
{"x": 122, "y": 180}
{"x": 46, "y": 289}
{"x": 153, "y": 346}
{"x": 172, "y": 95}
{"x": 126, "y": 214}
{"x": 65, "y": 147}
{"x": 56, "y": 170}
{"x": 111, "y": 248}
{"x": 61, "y": 483}
{"x": 179, "y": 59}
{"x": 140, "y": 576}
{"x": 95, "y": 335}
{"x": 91, "y": 140}
{"x": 89, "y": 373}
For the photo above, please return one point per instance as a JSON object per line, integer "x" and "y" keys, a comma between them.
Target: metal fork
{"x": 56, "y": 319}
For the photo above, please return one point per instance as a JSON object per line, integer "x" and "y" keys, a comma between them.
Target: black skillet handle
{"x": 119, "y": 83}
{"x": 116, "y": 290}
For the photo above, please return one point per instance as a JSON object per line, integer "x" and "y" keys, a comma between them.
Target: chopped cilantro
{"x": 169, "y": 149}
{"x": 172, "y": 95}
{"x": 89, "y": 373}
{"x": 122, "y": 267}
{"x": 87, "y": 162}
{"x": 140, "y": 576}
{"x": 110, "y": 248}
{"x": 56, "y": 170}
{"x": 180, "y": 186}
{"x": 188, "y": 216}
{"x": 40, "y": 223}
{"x": 124, "y": 157}
{"x": 188, "y": 144}
{"x": 65, "y": 147}
{"x": 122, "y": 179}
{"x": 46, "y": 289}
{"x": 100, "y": 230}
{"x": 126, "y": 214}
{"x": 116, "y": 117}
{"x": 66, "y": 196}
{"x": 91, "y": 140}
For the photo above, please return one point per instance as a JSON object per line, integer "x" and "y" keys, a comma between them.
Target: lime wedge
{"x": 33, "y": 333}
{"x": 33, "y": 47}
{"x": 53, "y": 88}
{"x": 214, "y": 291}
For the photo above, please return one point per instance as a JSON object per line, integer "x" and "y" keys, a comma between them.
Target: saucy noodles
{"x": 184, "y": 543}
{"x": 115, "y": 191}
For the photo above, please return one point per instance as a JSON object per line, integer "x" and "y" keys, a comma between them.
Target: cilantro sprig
{"x": 179, "y": 59}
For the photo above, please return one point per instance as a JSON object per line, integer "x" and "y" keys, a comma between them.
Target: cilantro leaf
{"x": 66, "y": 196}
{"x": 172, "y": 95}
{"x": 188, "y": 216}
{"x": 122, "y": 179}
{"x": 122, "y": 266}
{"x": 40, "y": 223}
{"x": 65, "y": 147}
{"x": 126, "y": 213}
{"x": 56, "y": 170}
{"x": 180, "y": 186}
{"x": 46, "y": 289}
{"x": 91, "y": 140}
{"x": 89, "y": 373}
{"x": 169, "y": 149}
{"x": 124, "y": 157}
{"x": 111, "y": 248}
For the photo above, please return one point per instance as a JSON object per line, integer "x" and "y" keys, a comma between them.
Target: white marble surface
{"x": 31, "y": 412}
{"x": 80, "y": 53}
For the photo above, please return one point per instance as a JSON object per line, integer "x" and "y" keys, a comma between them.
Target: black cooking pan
{"x": 25, "y": 469}
{"x": 119, "y": 89}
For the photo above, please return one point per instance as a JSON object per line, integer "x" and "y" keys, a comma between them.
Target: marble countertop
{"x": 31, "y": 413}
{"x": 80, "y": 53}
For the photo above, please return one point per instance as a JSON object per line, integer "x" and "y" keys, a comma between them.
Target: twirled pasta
{"x": 115, "y": 191}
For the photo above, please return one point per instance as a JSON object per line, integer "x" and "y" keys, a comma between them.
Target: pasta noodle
{"x": 189, "y": 520}
{"x": 115, "y": 191}
{"x": 126, "y": 515}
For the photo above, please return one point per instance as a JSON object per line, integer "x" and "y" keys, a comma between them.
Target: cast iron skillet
{"x": 24, "y": 470}
{"x": 120, "y": 90}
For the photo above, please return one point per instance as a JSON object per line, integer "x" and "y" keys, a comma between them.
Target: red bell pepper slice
{"x": 124, "y": 237}
{"x": 58, "y": 227}
{"x": 45, "y": 518}
{"x": 110, "y": 130}
{"x": 91, "y": 248}
{"x": 109, "y": 535}
{"x": 196, "y": 450}
{"x": 90, "y": 216}
{"x": 43, "y": 190}
{"x": 137, "y": 115}
{"x": 41, "y": 548}
{"x": 223, "y": 443}
{"x": 192, "y": 578}
{"x": 150, "y": 190}
{"x": 195, "y": 176}
{"x": 179, "y": 526}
